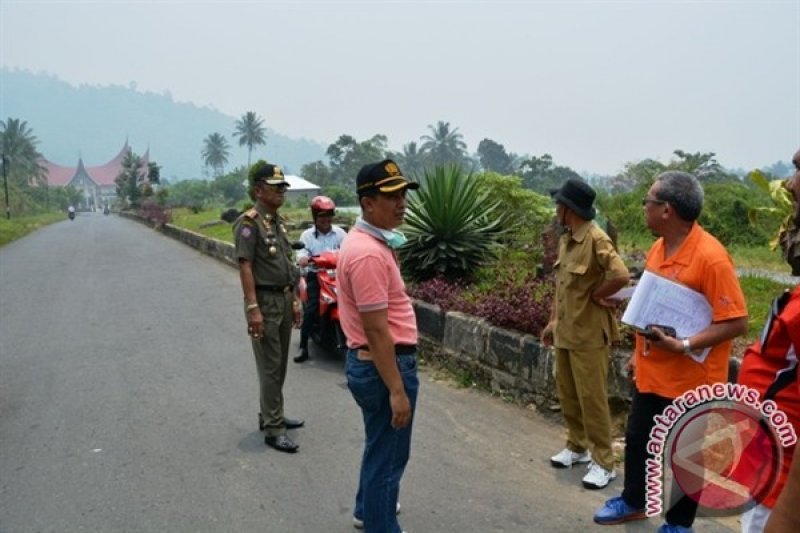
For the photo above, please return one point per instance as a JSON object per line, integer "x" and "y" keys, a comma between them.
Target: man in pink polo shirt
{"x": 381, "y": 329}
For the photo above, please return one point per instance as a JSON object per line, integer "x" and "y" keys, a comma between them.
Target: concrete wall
{"x": 506, "y": 362}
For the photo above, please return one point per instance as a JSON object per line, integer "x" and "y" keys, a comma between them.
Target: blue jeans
{"x": 386, "y": 450}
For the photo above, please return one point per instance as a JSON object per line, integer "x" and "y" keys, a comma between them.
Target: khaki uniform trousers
{"x": 272, "y": 353}
{"x": 582, "y": 381}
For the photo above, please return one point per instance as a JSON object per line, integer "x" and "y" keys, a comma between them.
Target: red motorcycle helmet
{"x": 322, "y": 205}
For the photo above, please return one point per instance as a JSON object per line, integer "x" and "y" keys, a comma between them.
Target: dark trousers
{"x": 644, "y": 408}
{"x": 310, "y": 309}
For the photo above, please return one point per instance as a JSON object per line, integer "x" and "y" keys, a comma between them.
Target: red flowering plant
{"x": 508, "y": 294}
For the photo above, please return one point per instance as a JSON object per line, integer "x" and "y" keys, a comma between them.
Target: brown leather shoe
{"x": 282, "y": 443}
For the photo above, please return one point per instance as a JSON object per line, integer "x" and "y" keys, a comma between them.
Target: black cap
{"x": 577, "y": 195}
{"x": 384, "y": 176}
{"x": 269, "y": 174}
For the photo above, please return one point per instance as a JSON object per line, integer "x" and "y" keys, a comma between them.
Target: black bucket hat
{"x": 578, "y": 196}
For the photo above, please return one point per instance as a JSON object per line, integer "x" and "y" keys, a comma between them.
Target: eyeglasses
{"x": 279, "y": 187}
{"x": 646, "y": 201}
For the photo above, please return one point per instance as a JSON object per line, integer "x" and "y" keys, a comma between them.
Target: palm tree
{"x": 411, "y": 160}
{"x": 18, "y": 144}
{"x": 215, "y": 153}
{"x": 250, "y": 130}
{"x": 444, "y": 146}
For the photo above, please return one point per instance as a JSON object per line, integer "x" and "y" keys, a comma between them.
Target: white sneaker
{"x": 598, "y": 477}
{"x": 359, "y": 523}
{"x": 566, "y": 458}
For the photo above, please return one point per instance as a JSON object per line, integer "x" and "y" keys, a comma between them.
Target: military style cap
{"x": 269, "y": 174}
{"x": 384, "y": 176}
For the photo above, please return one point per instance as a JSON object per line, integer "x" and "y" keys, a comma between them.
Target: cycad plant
{"x": 452, "y": 227}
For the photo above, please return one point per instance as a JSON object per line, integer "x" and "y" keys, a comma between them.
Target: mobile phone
{"x": 648, "y": 333}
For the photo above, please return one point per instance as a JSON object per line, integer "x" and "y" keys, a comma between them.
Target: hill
{"x": 93, "y": 122}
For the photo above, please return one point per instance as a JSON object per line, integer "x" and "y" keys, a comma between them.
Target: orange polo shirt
{"x": 702, "y": 264}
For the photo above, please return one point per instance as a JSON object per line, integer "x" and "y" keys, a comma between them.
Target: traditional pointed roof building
{"x": 96, "y": 183}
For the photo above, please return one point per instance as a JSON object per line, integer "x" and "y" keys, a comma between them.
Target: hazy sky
{"x": 595, "y": 84}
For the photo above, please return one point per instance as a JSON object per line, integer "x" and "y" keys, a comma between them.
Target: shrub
{"x": 155, "y": 213}
{"x": 517, "y": 299}
{"x": 452, "y": 227}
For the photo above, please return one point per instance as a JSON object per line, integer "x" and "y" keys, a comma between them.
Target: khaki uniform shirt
{"x": 263, "y": 240}
{"x": 586, "y": 258}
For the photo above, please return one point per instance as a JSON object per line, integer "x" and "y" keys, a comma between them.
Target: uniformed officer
{"x": 269, "y": 279}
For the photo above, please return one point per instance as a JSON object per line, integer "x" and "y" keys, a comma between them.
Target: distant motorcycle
{"x": 106, "y": 210}
{"x": 71, "y": 215}
{"x": 327, "y": 332}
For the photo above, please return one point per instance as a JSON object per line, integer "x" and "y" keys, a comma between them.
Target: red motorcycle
{"x": 327, "y": 332}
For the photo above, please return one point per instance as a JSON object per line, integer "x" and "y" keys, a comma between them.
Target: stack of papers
{"x": 658, "y": 300}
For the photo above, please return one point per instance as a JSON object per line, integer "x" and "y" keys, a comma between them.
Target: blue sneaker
{"x": 669, "y": 528}
{"x": 616, "y": 511}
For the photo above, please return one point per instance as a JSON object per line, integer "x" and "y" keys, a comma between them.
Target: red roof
{"x": 102, "y": 175}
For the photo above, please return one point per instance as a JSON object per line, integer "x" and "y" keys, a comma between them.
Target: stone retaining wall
{"x": 506, "y": 362}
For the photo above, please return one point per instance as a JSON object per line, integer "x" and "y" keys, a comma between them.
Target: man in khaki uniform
{"x": 582, "y": 326}
{"x": 269, "y": 278}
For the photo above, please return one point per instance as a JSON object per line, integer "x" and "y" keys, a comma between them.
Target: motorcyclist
{"x": 71, "y": 212}
{"x": 321, "y": 237}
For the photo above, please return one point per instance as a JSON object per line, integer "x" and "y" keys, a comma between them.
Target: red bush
{"x": 517, "y": 300}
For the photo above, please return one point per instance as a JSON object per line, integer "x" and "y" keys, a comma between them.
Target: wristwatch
{"x": 250, "y": 307}
{"x": 687, "y": 347}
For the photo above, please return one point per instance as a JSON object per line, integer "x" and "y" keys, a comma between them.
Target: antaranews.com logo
{"x": 723, "y": 446}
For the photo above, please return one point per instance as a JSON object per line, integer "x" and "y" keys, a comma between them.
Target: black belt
{"x": 399, "y": 349}
{"x": 274, "y": 288}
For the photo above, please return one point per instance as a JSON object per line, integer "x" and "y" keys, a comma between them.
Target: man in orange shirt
{"x": 663, "y": 368}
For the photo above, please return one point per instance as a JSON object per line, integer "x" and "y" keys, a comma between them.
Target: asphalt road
{"x": 128, "y": 401}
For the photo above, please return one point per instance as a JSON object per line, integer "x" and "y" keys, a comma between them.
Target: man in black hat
{"x": 381, "y": 329}
{"x": 269, "y": 278}
{"x": 581, "y": 327}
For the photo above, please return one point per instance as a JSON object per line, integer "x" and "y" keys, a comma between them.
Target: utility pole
{"x": 5, "y": 185}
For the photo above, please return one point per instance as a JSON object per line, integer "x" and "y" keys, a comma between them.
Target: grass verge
{"x": 17, "y": 227}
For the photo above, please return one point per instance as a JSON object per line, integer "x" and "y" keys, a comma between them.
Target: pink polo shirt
{"x": 368, "y": 278}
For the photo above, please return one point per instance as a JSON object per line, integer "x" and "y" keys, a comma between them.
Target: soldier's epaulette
{"x": 252, "y": 214}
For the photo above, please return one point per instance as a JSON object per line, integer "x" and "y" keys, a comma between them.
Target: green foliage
{"x": 525, "y": 213}
{"x": 452, "y": 226}
{"x": 317, "y": 173}
{"x": 341, "y": 195}
{"x": 541, "y": 175}
{"x": 215, "y": 153}
{"x": 21, "y": 158}
{"x": 251, "y": 132}
{"x": 780, "y": 211}
{"x": 444, "y": 146}
{"x": 347, "y": 156}
{"x": 17, "y": 227}
{"x": 725, "y": 209}
{"x": 411, "y": 160}
{"x": 229, "y": 188}
{"x": 133, "y": 171}
{"x": 494, "y": 158}
{"x": 189, "y": 193}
